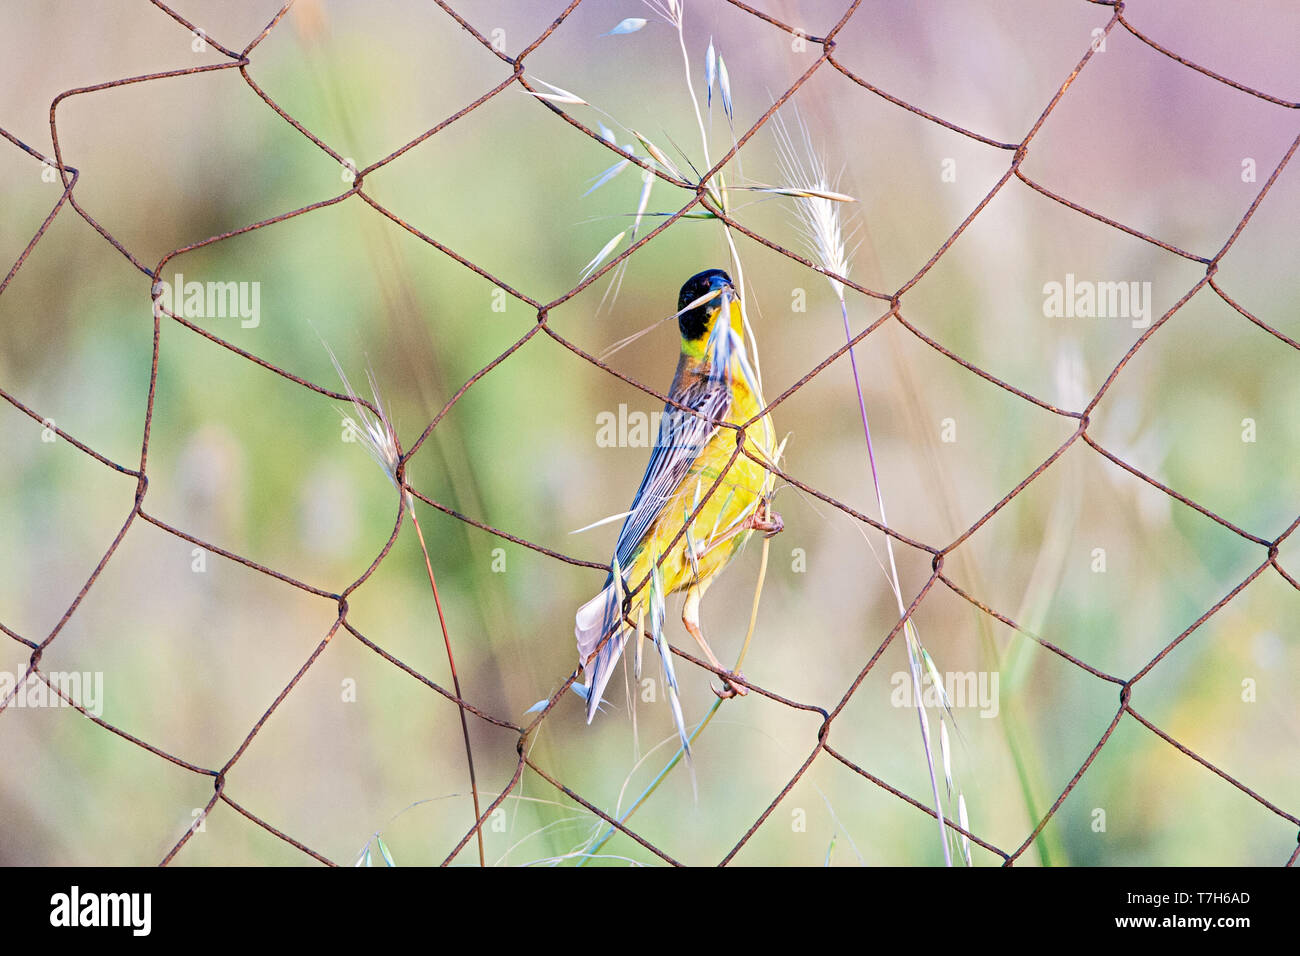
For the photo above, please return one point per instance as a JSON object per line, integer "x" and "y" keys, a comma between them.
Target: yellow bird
{"x": 714, "y": 385}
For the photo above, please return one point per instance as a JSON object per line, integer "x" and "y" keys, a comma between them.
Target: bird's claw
{"x": 767, "y": 521}
{"x": 730, "y": 688}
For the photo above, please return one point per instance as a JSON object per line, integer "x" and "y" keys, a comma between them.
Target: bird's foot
{"x": 730, "y": 688}
{"x": 767, "y": 521}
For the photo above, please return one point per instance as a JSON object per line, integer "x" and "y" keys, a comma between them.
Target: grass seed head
{"x": 817, "y": 204}
{"x": 373, "y": 429}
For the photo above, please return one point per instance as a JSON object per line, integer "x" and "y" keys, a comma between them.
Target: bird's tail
{"x": 602, "y": 616}
{"x": 595, "y": 619}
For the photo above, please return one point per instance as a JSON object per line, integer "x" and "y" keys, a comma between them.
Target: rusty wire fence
{"x": 512, "y": 74}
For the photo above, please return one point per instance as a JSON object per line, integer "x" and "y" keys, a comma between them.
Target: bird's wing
{"x": 682, "y": 437}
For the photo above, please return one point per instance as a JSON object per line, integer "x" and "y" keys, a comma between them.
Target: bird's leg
{"x": 765, "y": 519}
{"x": 691, "y": 619}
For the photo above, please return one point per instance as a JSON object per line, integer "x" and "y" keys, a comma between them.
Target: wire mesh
{"x": 893, "y": 304}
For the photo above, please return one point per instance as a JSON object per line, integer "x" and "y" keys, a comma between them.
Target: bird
{"x": 714, "y": 386}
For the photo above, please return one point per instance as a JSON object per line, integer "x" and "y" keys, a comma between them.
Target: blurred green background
{"x": 255, "y": 464}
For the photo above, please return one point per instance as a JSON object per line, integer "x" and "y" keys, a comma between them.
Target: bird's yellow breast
{"x": 718, "y": 531}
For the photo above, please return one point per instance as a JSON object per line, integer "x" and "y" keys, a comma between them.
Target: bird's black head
{"x": 698, "y": 322}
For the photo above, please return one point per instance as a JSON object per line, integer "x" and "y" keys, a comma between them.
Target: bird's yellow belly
{"x": 720, "y": 528}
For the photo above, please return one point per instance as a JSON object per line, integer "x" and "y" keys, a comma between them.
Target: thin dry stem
{"x": 455, "y": 680}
